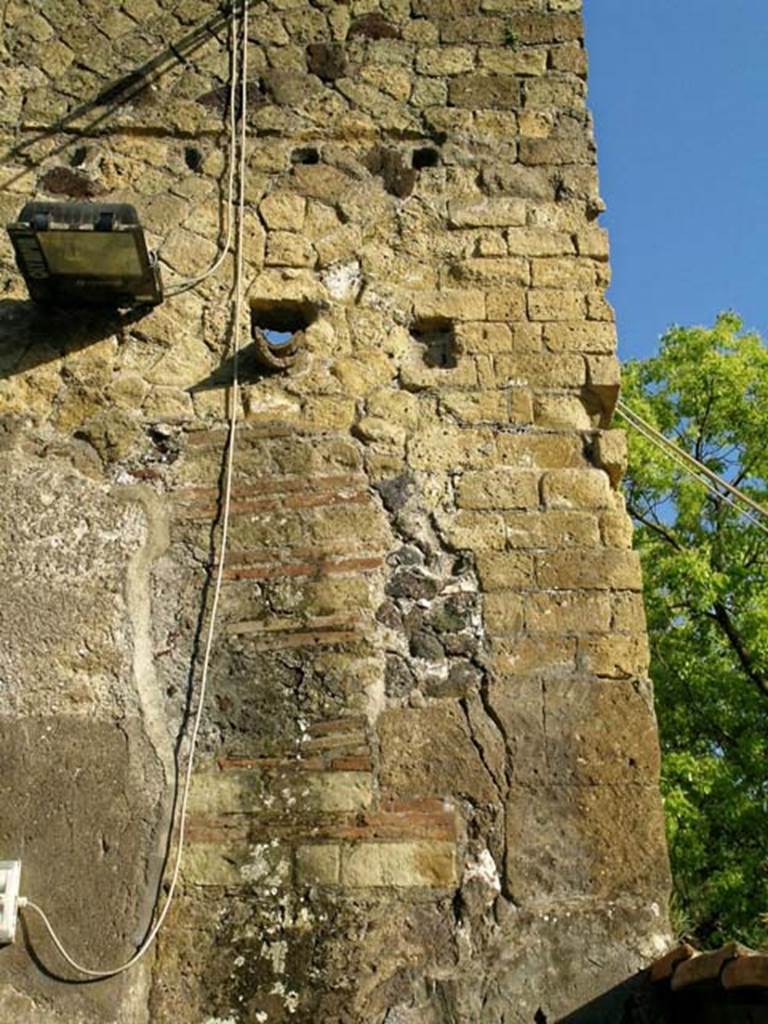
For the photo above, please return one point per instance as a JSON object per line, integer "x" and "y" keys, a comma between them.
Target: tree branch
{"x": 656, "y": 527}
{"x": 722, "y": 617}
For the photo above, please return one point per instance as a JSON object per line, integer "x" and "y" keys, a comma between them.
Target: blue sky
{"x": 679, "y": 91}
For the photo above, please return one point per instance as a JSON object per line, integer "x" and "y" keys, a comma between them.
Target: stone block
{"x": 512, "y": 406}
{"x": 508, "y": 61}
{"x": 254, "y": 790}
{"x": 555, "y": 304}
{"x": 598, "y": 307}
{"x": 593, "y": 242}
{"x": 362, "y": 373}
{"x": 561, "y": 412}
{"x": 503, "y": 613}
{"x": 324, "y": 412}
{"x": 495, "y": 92}
{"x": 603, "y": 570}
{"x": 541, "y": 451}
{"x": 534, "y": 655}
{"x": 580, "y": 336}
{"x": 505, "y": 571}
{"x": 491, "y": 272}
{"x": 552, "y": 530}
{"x": 616, "y": 530}
{"x": 499, "y": 489}
{"x": 495, "y": 126}
{"x": 474, "y": 30}
{"x": 286, "y": 249}
{"x": 594, "y": 850}
{"x": 546, "y": 28}
{"x": 486, "y": 212}
{"x": 380, "y": 431}
{"x": 539, "y": 242}
{"x": 628, "y": 613}
{"x": 508, "y": 303}
{"x": 416, "y": 375}
{"x": 552, "y": 152}
{"x": 318, "y": 864}
{"x": 468, "y": 530}
{"x": 570, "y": 58}
{"x": 444, "y": 8}
{"x": 397, "y": 406}
{"x": 614, "y": 656}
{"x": 491, "y": 243}
{"x": 429, "y": 92}
{"x": 566, "y": 93}
{"x": 283, "y": 211}
{"x": 539, "y": 370}
{"x": 576, "y": 489}
{"x": 458, "y": 304}
{"x": 535, "y": 124}
{"x": 429, "y": 752}
{"x": 610, "y": 454}
{"x": 495, "y": 337}
{"x": 568, "y": 614}
{"x": 450, "y": 447}
{"x": 413, "y": 865}
{"x": 444, "y": 60}
{"x": 565, "y": 272}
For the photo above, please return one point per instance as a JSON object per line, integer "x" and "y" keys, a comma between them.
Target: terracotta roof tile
{"x": 732, "y": 966}
{"x": 746, "y": 972}
{"x": 705, "y": 966}
{"x": 665, "y": 967}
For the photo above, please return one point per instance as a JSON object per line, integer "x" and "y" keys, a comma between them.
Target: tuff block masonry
{"x": 428, "y": 782}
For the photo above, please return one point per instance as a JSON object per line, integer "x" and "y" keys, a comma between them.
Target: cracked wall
{"x": 427, "y": 785}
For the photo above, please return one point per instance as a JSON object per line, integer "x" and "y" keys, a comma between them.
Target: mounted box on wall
{"x": 93, "y": 253}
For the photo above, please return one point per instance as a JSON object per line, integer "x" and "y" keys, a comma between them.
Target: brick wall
{"x": 427, "y": 785}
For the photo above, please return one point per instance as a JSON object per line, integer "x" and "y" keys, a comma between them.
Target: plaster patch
{"x": 343, "y": 280}
{"x": 264, "y": 868}
{"x": 484, "y": 870}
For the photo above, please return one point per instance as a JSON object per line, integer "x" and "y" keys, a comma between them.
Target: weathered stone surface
{"x": 499, "y": 489}
{"x": 429, "y": 752}
{"x": 425, "y": 786}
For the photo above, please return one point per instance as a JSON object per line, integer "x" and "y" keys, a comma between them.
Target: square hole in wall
{"x": 438, "y": 337}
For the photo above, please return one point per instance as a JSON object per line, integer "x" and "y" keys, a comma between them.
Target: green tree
{"x": 706, "y": 569}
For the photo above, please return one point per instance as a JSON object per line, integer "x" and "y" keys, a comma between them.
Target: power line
{"x": 707, "y": 477}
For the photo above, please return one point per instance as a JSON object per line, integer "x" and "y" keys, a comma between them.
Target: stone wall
{"x": 427, "y": 784}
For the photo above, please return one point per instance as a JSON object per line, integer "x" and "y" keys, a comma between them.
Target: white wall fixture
{"x": 10, "y": 877}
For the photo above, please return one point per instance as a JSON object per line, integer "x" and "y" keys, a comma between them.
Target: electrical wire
{"x": 193, "y": 282}
{"x": 625, "y": 410}
{"x": 226, "y": 515}
{"x": 696, "y": 469}
{"x": 678, "y": 456}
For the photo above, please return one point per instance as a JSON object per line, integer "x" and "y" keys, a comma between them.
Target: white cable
{"x": 625, "y": 410}
{"x": 692, "y": 466}
{"x": 192, "y": 282}
{"x": 226, "y": 509}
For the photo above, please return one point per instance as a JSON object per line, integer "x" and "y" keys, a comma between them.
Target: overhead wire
{"x": 731, "y": 495}
{"x": 236, "y": 327}
{"x": 715, "y": 477}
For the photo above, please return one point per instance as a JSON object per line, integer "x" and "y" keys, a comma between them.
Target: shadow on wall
{"x": 130, "y": 87}
{"x": 632, "y": 1002}
{"x": 31, "y": 335}
{"x": 250, "y": 370}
